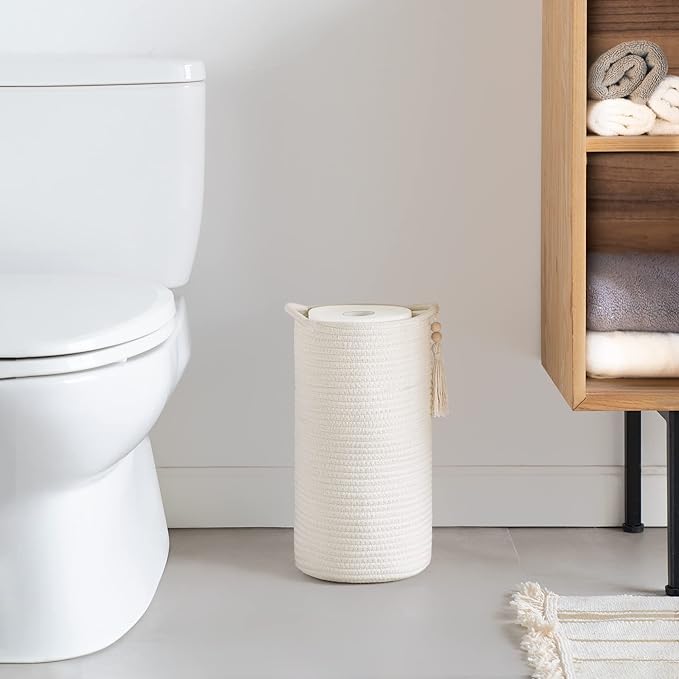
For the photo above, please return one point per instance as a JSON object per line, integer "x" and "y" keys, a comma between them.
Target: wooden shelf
{"x": 629, "y": 394}
{"x": 599, "y": 193}
{"x": 596, "y": 144}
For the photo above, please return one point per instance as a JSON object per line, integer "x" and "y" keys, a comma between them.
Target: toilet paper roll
{"x": 359, "y": 313}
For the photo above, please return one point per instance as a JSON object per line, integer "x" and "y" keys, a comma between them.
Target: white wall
{"x": 383, "y": 150}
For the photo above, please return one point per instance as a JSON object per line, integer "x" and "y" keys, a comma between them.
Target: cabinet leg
{"x": 633, "y": 522}
{"x": 672, "y": 588}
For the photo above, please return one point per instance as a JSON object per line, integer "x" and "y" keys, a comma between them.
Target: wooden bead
{"x": 436, "y": 337}
{"x": 435, "y": 326}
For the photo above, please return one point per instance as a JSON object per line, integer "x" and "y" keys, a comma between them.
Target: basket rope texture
{"x": 363, "y": 397}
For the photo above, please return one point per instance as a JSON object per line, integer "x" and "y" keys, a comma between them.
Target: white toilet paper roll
{"x": 359, "y": 313}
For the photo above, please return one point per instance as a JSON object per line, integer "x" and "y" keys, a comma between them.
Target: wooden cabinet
{"x": 599, "y": 193}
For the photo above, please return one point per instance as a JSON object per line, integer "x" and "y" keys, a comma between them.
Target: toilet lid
{"x": 54, "y": 315}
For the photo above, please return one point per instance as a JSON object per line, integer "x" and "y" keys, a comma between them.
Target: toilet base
{"x": 80, "y": 565}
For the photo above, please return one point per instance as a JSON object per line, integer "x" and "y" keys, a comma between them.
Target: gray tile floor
{"x": 232, "y": 605}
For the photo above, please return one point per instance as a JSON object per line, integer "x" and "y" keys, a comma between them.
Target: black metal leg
{"x": 672, "y": 588}
{"x": 633, "y": 473}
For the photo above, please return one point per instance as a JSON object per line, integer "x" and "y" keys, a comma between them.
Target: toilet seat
{"x": 53, "y": 315}
{"x": 58, "y": 365}
{"x": 53, "y": 324}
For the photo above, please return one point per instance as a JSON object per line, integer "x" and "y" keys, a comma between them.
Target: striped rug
{"x": 598, "y": 637}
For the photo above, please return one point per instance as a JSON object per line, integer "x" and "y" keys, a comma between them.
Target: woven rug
{"x": 597, "y": 637}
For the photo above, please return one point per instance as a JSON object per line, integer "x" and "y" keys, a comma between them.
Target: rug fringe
{"x": 539, "y": 641}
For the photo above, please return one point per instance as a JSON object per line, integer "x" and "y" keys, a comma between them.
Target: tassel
{"x": 439, "y": 389}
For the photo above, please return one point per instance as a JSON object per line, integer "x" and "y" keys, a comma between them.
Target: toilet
{"x": 101, "y": 189}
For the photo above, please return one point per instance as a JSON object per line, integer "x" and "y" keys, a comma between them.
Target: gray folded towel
{"x": 631, "y": 69}
{"x": 633, "y": 291}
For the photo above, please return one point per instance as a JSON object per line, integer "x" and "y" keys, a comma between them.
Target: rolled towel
{"x": 633, "y": 291}
{"x": 613, "y": 117}
{"x": 631, "y": 69}
{"x": 665, "y": 99}
{"x": 664, "y": 127}
{"x": 632, "y": 354}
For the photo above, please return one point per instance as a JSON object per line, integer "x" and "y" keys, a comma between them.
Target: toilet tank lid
{"x": 70, "y": 70}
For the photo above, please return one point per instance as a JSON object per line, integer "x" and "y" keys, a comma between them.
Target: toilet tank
{"x": 101, "y": 165}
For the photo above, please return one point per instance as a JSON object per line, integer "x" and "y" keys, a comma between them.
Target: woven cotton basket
{"x": 363, "y": 395}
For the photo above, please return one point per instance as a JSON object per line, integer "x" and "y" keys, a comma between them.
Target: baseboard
{"x": 210, "y": 497}
{"x": 463, "y": 496}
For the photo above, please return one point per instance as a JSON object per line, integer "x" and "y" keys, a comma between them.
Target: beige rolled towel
{"x": 613, "y": 117}
{"x": 665, "y": 100}
{"x": 631, "y": 69}
{"x": 664, "y": 128}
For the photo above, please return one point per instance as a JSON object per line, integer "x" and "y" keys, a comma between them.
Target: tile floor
{"x": 232, "y": 605}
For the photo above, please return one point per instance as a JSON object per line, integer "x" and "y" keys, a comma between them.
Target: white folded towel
{"x": 665, "y": 99}
{"x": 664, "y": 127}
{"x": 611, "y": 117}
{"x": 632, "y": 354}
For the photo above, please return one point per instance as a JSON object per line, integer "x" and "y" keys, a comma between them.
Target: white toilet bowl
{"x": 82, "y": 528}
{"x": 101, "y": 197}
